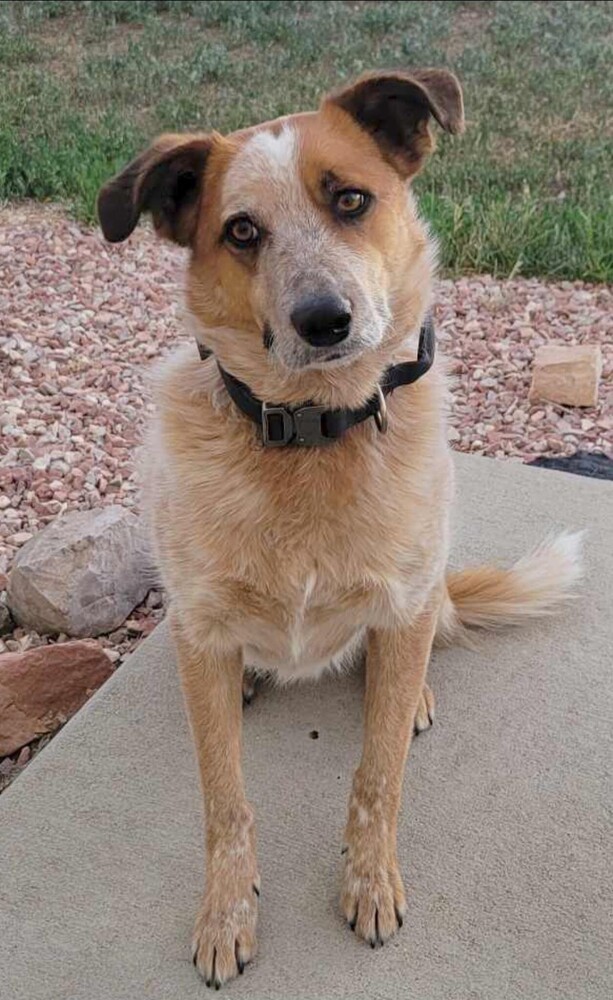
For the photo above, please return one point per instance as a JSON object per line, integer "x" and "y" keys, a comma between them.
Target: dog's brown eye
{"x": 351, "y": 202}
{"x": 242, "y": 232}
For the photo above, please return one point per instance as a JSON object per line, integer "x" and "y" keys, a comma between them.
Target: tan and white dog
{"x": 310, "y": 275}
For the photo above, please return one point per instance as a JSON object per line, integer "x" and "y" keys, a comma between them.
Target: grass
{"x": 527, "y": 190}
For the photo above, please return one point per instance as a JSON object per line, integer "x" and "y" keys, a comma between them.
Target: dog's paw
{"x": 373, "y": 900}
{"x": 224, "y": 938}
{"x": 424, "y": 717}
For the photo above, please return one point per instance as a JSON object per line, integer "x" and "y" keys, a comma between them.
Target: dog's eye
{"x": 351, "y": 202}
{"x": 242, "y": 232}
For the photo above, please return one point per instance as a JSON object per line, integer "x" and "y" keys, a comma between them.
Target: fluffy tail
{"x": 491, "y": 598}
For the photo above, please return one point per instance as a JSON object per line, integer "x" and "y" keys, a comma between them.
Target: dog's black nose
{"x": 322, "y": 321}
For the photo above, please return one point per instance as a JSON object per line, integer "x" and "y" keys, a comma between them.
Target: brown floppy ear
{"x": 166, "y": 180}
{"x": 395, "y": 107}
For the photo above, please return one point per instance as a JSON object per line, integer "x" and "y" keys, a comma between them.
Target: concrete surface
{"x": 503, "y": 840}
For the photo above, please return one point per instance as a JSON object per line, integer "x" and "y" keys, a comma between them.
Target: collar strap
{"x": 309, "y": 425}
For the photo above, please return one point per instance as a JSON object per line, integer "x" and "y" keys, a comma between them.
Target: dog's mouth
{"x": 331, "y": 359}
{"x": 323, "y": 359}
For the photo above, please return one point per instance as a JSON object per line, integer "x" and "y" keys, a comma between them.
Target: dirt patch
{"x": 468, "y": 28}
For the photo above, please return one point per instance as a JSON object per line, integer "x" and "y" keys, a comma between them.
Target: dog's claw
{"x": 378, "y": 938}
{"x": 424, "y": 717}
{"x": 399, "y": 919}
{"x": 213, "y": 977}
{"x": 250, "y": 685}
{"x": 240, "y": 965}
{"x": 256, "y": 890}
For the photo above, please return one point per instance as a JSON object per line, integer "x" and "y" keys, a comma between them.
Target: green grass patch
{"x": 527, "y": 190}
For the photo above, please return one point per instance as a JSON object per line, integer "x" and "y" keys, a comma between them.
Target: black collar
{"x": 309, "y": 425}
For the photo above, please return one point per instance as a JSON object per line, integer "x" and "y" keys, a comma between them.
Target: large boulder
{"x": 41, "y": 688}
{"x": 82, "y": 574}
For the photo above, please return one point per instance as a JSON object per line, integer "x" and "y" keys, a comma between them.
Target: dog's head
{"x": 306, "y": 249}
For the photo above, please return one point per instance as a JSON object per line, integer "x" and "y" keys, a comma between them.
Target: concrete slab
{"x": 503, "y": 840}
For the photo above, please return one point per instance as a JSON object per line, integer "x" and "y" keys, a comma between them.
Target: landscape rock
{"x": 567, "y": 374}
{"x": 42, "y": 688}
{"x": 82, "y": 574}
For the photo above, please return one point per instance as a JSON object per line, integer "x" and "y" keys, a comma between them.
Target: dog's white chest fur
{"x": 302, "y": 650}
{"x": 297, "y": 635}
{"x": 322, "y": 632}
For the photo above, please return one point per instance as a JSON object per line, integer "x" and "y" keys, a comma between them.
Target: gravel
{"x": 81, "y": 321}
{"x": 490, "y": 331}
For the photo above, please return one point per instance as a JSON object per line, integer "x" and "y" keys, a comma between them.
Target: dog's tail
{"x": 491, "y": 598}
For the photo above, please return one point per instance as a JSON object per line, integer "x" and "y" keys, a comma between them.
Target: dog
{"x": 298, "y": 476}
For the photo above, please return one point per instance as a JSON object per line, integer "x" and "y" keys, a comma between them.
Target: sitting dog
{"x": 298, "y": 475}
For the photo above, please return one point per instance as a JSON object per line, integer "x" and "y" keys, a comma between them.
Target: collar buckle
{"x": 308, "y": 421}
{"x": 302, "y": 427}
{"x": 277, "y": 426}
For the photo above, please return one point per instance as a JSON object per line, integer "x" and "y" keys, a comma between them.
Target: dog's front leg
{"x": 224, "y": 935}
{"x": 372, "y": 896}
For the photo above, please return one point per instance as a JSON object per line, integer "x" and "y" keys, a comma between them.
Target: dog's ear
{"x": 166, "y": 180}
{"x": 395, "y": 107}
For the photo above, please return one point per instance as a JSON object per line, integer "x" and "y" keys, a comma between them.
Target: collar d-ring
{"x": 380, "y": 415}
